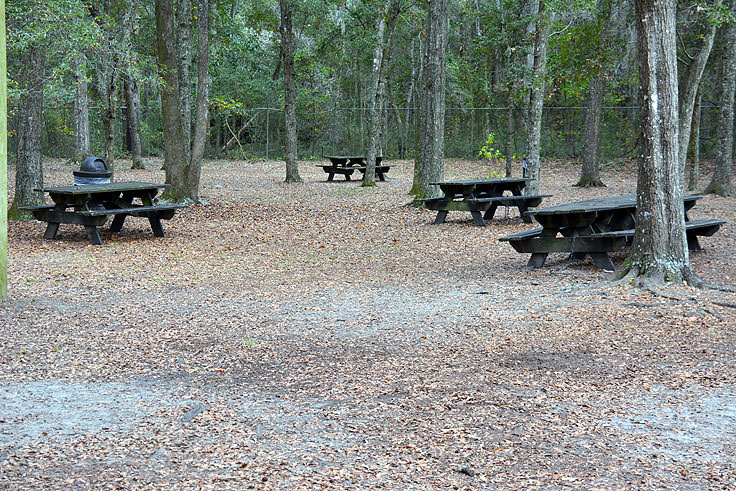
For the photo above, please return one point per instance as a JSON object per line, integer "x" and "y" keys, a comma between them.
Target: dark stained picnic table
{"x": 347, "y": 164}
{"x": 482, "y": 196}
{"x": 595, "y": 227}
{"x": 90, "y": 205}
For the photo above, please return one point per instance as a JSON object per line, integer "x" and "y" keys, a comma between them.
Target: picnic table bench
{"x": 595, "y": 227}
{"x": 91, "y": 205}
{"x": 482, "y": 196}
{"x": 347, "y": 164}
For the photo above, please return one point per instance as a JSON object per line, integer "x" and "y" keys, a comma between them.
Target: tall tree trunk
{"x": 694, "y": 151}
{"x": 589, "y": 176}
{"x": 201, "y": 119}
{"x": 720, "y": 183}
{"x": 510, "y": 124}
{"x": 430, "y": 164}
{"x": 184, "y": 55}
{"x": 409, "y": 97}
{"x": 536, "y": 101}
{"x": 659, "y": 252}
{"x": 175, "y": 162}
{"x": 288, "y": 50}
{"x": 381, "y": 54}
{"x": 108, "y": 88}
{"x": 133, "y": 103}
{"x": 29, "y": 168}
{"x": 81, "y": 111}
{"x": 689, "y": 90}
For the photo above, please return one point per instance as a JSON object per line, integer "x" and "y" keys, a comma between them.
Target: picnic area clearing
{"x": 323, "y": 335}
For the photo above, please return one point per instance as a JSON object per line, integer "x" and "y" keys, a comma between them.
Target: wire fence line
{"x": 258, "y": 132}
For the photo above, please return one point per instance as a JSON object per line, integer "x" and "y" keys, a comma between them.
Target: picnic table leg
{"x": 522, "y": 211}
{"x": 537, "y": 259}
{"x": 602, "y": 260}
{"x": 478, "y": 218}
{"x": 51, "y": 230}
{"x": 380, "y": 175}
{"x": 93, "y": 235}
{"x": 155, "y": 221}
{"x": 491, "y": 211}
{"x": 692, "y": 242}
{"x": 117, "y": 222}
{"x": 441, "y": 215}
{"x": 330, "y": 176}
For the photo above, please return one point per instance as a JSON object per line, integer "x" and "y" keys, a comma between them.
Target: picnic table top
{"x": 598, "y": 204}
{"x": 102, "y": 188}
{"x": 480, "y": 182}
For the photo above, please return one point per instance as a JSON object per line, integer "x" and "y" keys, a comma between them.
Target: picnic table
{"x": 482, "y": 196}
{"x": 595, "y": 227}
{"x": 90, "y": 205}
{"x": 347, "y": 164}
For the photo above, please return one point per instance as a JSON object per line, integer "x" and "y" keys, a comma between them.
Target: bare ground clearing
{"x": 324, "y": 336}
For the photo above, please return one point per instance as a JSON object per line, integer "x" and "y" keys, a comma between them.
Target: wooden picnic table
{"x": 482, "y": 196}
{"x": 595, "y": 227}
{"x": 347, "y": 164}
{"x": 90, "y": 205}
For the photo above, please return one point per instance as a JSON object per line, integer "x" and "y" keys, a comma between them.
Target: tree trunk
{"x": 381, "y": 54}
{"x": 175, "y": 162}
{"x": 288, "y": 50}
{"x": 28, "y": 167}
{"x": 510, "y": 125}
{"x": 133, "y": 103}
{"x": 536, "y": 101}
{"x": 720, "y": 183}
{"x": 184, "y": 55}
{"x": 3, "y": 158}
{"x": 430, "y": 165}
{"x": 689, "y": 91}
{"x": 109, "y": 91}
{"x": 81, "y": 111}
{"x": 201, "y": 119}
{"x": 659, "y": 252}
{"x": 589, "y": 176}
{"x": 695, "y": 144}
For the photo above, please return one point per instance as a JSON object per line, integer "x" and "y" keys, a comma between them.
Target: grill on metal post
{"x": 92, "y": 171}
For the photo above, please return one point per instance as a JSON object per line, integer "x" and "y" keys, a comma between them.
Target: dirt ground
{"x": 323, "y": 335}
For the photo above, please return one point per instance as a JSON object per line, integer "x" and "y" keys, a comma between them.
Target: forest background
{"x": 91, "y": 74}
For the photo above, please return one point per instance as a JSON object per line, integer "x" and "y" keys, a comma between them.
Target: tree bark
{"x": 694, "y": 151}
{"x": 288, "y": 50}
{"x": 381, "y": 54}
{"x": 536, "y": 101}
{"x": 29, "y": 168}
{"x": 175, "y": 162}
{"x": 184, "y": 55}
{"x": 201, "y": 118}
{"x": 659, "y": 252}
{"x": 589, "y": 174}
{"x": 430, "y": 165}
{"x": 81, "y": 111}
{"x": 133, "y": 103}
{"x": 689, "y": 90}
{"x": 510, "y": 125}
{"x": 720, "y": 183}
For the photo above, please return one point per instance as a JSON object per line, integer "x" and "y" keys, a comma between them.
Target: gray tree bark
{"x": 288, "y": 49}
{"x": 659, "y": 252}
{"x": 430, "y": 165}
{"x": 689, "y": 90}
{"x": 81, "y": 111}
{"x": 536, "y": 101}
{"x": 29, "y": 168}
{"x": 175, "y": 162}
{"x": 133, "y": 110}
{"x": 720, "y": 183}
{"x": 184, "y": 55}
{"x": 694, "y": 151}
{"x": 589, "y": 173}
{"x": 201, "y": 118}
{"x": 385, "y": 25}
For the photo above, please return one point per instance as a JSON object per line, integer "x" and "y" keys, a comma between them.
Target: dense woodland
{"x": 403, "y": 79}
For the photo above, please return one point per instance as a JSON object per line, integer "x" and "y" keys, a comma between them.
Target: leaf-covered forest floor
{"x": 325, "y": 336}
